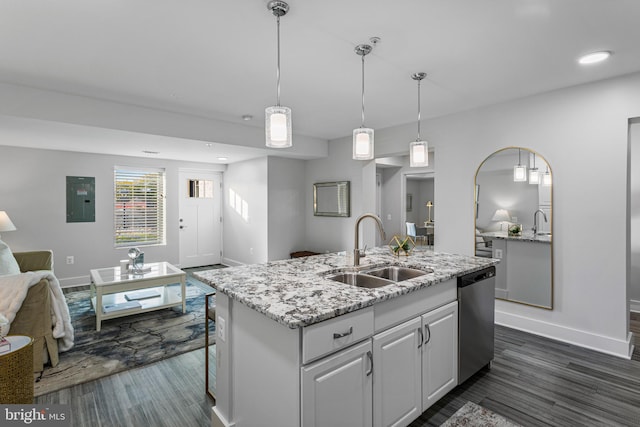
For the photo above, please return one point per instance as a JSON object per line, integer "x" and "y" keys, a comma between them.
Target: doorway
{"x": 419, "y": 192}
{"x": 200, "y": 218}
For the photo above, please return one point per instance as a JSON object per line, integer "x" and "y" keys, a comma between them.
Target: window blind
{"x": 139, "y": 208}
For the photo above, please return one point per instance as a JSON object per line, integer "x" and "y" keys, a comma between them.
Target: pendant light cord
{"x": 418, "y": 110}
{"x": 278, "y": 66}
{"x": 362, "y": 124}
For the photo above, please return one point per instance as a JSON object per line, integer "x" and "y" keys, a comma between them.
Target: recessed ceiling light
{"x": 247, "y": 117}
{"x": 223, "y": 159}
{"x": 594, "y": 57}
{"x": 150, "y": 152}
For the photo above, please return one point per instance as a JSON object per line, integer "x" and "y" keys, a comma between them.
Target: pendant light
{"x": 546, "y": 178}
{"x": 418, "y": 149}
{"x": 277, "y": 117}
{"x": 519, "y": 171}
{"x": 534, "y": 173}
{"x": 363, "y": 137}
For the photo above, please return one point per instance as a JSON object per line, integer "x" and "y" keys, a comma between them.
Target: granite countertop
{"x": 526, "y": 236}
{"x": 295, "y": 292}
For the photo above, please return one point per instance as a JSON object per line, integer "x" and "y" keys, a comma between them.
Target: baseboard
{"x": 218, "y": 420}
{"x": 69, "y": 282}
{"x": 634, "y": 305}
{"x": 231, "y": 262}
{"x": 502, "y": 293}
{"x": 601, "y": 343}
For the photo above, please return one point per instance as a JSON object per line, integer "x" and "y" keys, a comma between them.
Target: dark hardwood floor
{"x": 534, "y": 381}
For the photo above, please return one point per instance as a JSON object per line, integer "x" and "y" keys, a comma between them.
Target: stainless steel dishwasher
{"x": 476, "y": 304}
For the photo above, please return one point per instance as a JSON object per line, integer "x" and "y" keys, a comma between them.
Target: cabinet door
{"x": 397, "y": 375}
{"x": 337, "y": 390}
{"x": 439, "y": 353}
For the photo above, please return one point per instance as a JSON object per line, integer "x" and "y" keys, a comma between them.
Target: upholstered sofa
{"x": 34, "y": 316}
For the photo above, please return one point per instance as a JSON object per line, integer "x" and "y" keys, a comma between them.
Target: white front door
{"x": 199, "y": 218}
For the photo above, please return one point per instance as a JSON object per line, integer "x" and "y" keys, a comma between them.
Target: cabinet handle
{"x": 343, "y": 334}
{"x": 421, "y": 337}
{"x": 428, "y": 333}
{"x": 370, "y": 356}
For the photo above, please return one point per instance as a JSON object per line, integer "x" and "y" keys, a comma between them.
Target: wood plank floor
{"x": 534, "y": 381}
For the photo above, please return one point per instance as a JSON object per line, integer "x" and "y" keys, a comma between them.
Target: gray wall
{"x": 245, "y": 240}
{"x": 275, "y": 192}
{"x": 287, "y": 200}
{"x": 33, "y": 192}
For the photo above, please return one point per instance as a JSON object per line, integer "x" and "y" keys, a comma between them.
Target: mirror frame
{"x": 475, "y": 217}
{"x": 322, "y": 211}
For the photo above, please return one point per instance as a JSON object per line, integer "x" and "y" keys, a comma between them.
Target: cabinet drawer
{"x": 333, "y": 334}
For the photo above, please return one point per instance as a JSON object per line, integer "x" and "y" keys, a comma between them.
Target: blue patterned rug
{"x": 127, "y": 342}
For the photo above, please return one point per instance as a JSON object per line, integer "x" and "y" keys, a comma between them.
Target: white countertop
{"x": 296, "y": 293}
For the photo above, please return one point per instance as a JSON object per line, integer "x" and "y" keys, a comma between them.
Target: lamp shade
{"x": 534, "y": 176}
{"x": 501, "y": 215}
{"x": 278, "y": 127}
{"x": 363, "y": 144}
{"x": 418, "y": 154}
{"x": 5, "y": 222}
{"x": 519, "y": 173}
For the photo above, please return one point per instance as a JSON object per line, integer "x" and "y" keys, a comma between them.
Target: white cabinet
{"x": 439, "y": 353}
{"x": 397, "y": 380}
{"x": 337, "y": 390}
{"x": 415, "y": 364}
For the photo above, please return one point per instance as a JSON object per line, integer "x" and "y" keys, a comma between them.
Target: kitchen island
{"x": 296, "y": 348}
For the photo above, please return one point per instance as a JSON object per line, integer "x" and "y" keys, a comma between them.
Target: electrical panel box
{"x": 81, "y": 199}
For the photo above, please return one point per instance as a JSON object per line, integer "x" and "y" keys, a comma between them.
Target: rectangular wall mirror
{"x": 331, "y": 199}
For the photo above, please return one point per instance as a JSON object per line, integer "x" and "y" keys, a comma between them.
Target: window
{"x": 139, "y": 209}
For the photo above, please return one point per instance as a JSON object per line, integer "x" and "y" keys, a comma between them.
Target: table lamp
{"x": 5, "y": 222}
{"x": 501, "y": 215}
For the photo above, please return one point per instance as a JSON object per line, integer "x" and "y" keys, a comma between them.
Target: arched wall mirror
{"x": 513, "y": 222}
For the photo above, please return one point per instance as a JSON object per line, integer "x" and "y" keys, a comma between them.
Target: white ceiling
{"x": 216, "y": 58}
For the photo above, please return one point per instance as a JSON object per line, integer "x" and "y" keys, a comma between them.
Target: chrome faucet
{"x": 356, "y": 250}
{"x": 535, "y": 220}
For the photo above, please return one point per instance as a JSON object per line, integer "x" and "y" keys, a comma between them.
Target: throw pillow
{"x": 8, "y": 264}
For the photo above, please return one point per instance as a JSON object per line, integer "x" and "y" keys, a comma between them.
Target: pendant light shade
{"x": 362, "y": 136}
{"x": 519, "y": 171}
{"x": 534, "y": 173}
{"x": 277, "y": 117}
{"x": 546, "y": 178}
{"x": 278, "y": 126}
{"x": 418, "y": 149}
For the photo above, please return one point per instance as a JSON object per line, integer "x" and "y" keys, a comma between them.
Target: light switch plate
{"x": 499, "y": 253}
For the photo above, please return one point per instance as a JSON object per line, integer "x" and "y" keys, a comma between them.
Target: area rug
{"x": 126, "y": 342}
{"x": 472, "y": 415}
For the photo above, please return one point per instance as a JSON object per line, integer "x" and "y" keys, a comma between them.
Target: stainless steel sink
{"x": 378, "y": 276}
{"x": 360, "y": 280}
{"x": 397, "y": 274}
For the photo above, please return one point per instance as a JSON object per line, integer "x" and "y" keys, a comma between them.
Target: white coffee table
{"x": 113, "y": 293}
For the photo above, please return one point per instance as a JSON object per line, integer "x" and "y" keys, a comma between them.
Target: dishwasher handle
{"x": 476, "y": 276}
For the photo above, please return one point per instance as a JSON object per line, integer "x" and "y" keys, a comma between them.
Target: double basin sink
{"x": 376, "y": 277}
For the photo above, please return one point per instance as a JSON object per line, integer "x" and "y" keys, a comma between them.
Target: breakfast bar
{"x": 296, "y": 347}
